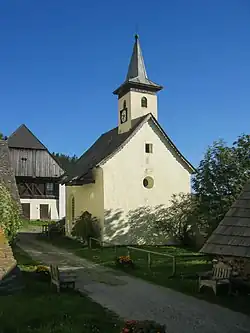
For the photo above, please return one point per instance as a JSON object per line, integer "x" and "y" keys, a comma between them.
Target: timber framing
{"x": 34, "y": 188}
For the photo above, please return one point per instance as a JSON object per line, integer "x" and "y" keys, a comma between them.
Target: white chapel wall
{"x": 123, "y": 177}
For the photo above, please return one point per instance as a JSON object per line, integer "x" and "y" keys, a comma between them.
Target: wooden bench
{"x": 63, "y": 279}
{"x": 220, "y": 275}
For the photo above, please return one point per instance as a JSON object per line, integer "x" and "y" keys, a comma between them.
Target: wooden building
{"x": 230, "y": 241}
{"x": 38, "y": 177}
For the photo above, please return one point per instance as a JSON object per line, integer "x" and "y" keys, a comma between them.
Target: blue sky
{"x": 61, "y": 60}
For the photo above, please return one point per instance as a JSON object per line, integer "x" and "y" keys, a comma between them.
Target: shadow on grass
{"x": 39, "y": 309}
{"x": 161, "y": 270}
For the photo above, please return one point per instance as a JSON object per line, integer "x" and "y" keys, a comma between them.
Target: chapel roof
{"x": 232, "y": 236}
{"x": 108, "y": 144}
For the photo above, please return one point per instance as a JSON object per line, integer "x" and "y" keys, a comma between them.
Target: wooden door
{"x": 26, "y": 210}
{"x": 44, "y": 212}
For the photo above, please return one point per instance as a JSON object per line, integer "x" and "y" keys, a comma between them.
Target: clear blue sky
{"x": 61, "y": 60}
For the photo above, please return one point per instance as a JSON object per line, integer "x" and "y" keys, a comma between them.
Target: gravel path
{"x": 133, "y": 298}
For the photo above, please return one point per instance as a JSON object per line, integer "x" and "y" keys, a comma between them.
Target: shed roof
{"x": 232, "y": 236}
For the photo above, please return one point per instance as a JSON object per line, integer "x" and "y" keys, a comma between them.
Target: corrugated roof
{"x": 232, "y": 236}
{"x": 6, "y": 172}
{"x": 24, "y": 138}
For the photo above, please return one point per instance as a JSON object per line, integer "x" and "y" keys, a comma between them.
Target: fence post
{"x": 149, "y": 260}
{"x": 90, "y": 242}
{"x": 174, "y": 266}
{"x": 128, "y": 251}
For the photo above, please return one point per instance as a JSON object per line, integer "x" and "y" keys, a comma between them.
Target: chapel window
{"x": 144, "y": 102}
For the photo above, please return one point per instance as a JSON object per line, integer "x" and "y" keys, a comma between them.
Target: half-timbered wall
{"x": 37, "y": 188}
{"x": 34, "y": 163}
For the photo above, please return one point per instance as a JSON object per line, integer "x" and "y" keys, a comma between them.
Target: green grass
{"x": 33, "y": 223}
{"x": 38, "y": 309}
{"x": 161, "y": 269}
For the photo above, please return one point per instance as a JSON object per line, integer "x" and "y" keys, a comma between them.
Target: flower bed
{"x": 124, "y": 261}
{"x": 144, "y": 326}
{"x": 43, "y": 272}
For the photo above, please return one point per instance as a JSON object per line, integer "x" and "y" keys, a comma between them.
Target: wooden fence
{"x": 174, "y": 258}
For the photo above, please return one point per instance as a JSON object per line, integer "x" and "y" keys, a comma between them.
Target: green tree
{"x": 217, "y": 183}
{"x": 182, "y": 218}
{"x": 67, "y": 162}
{"x": 220, "y": 177}
{"x": 9, "y": 213}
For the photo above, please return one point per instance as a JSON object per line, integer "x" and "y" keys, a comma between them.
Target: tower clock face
{"x": 123, "y": 115}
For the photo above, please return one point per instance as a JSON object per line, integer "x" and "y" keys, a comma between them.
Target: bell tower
{"x": 137, "y": 96}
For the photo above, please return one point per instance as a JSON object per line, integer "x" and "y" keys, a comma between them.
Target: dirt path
{"x": 133, "y": 298}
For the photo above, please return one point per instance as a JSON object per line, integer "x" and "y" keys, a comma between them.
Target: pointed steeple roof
{"x": 137, "y": 74}
{"x": 24, "y": 138}
{"x": 136, "y": 66}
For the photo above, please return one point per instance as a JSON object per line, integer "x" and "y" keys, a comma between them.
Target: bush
{"x": 57, "y": 229}
{"x": 10, "y": 220}
{"x": 85, "y": 227}
{"x": 43, "y": 273}
{"x": 144, "y": 326}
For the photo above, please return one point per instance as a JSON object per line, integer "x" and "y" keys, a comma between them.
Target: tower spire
{"x": 137, "y": 74}
{"x": 137, "y": 69}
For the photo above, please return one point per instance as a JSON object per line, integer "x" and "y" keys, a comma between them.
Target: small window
{"x": 49, "y": 188}
{"x": 124, "y": 104}
{"x": 148, "y": 182}
{"x": 144, "y": 102}
{"x": 73, "y": 209}
{"x": 149, "y": 148}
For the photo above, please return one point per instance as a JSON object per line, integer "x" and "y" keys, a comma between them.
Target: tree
{"x": 67, "y": 162}
{"x": 220, "y": 177}
{"x": 182, "y": 218}
{"x": 9, "y": 213}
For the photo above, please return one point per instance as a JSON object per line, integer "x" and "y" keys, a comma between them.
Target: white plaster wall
{"x": 124, "y": 173}
{"x": 133, "y": 101}
{"x": 62, "y": 201}
{"x": 35, "y": 207}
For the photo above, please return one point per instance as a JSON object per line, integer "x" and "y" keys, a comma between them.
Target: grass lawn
{"x": 161, "y": 269}
{"x": 38, "y": 309}
{"x": 34, "y": 223}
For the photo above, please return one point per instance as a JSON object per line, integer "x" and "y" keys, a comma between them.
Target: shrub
{"x": 144, "y": 326}
{"x": 43, "y": 272}
{"x": 57, "y": 229}
{"x": 85, "y": 227}
{"x": 10, "y": 220}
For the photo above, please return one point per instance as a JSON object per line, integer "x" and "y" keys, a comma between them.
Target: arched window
{"x": 124, "y": 104}
{"x": 144, "y": 102}
{"x": 73, "y": 209}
